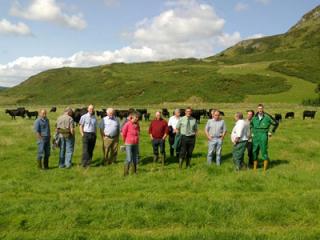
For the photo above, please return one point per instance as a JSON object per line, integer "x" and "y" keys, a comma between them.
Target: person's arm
{"x": 101, "y": 127}
{"x": 125, "y": 132}
{"x": 206, "y": 130}
{"x": 71, "y": 126}
{"x": 150, "y": 131}
{"x": 166, "y": 131}
{"x": 37, "y": 129}
{"x": 274, "y": 123}
{"x": 224, "y": 133}
{"x": 81, "y": 123}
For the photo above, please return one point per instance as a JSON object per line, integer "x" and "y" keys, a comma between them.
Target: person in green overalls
{"x": 260, "y": 126}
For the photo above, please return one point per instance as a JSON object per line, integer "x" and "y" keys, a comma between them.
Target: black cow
{"x": 53, "y": 109}
{"x": 16, "y": 112}
{"x": 310, "y": 114}
{"x": 165, "y": 112}
{"x": 141, "y": 112}
{"x": 77, "y": 113}
{"x": 32, "y": 114}
{"x": 122, "y": 113}
{"x": 289, "y": 115}
{"x": 210, "y": 110}
{"x": 102, "y": 113}
{"x": 278, "y": 117}
{"x": 146, "y": 116}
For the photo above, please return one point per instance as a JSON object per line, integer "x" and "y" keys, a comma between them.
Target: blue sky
{"x": 36, "y": 35}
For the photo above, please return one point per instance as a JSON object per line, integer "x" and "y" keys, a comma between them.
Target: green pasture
{"x": 204, "y": 202}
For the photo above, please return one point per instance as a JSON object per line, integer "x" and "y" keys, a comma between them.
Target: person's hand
{"x": 209, "y": 138}
{"x": 270, "y": 134}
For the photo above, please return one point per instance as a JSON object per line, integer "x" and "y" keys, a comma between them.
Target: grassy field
{"x": 198, "y": 203}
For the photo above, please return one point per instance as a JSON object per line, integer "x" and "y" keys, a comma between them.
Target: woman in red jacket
{"x": 130, "y": 134}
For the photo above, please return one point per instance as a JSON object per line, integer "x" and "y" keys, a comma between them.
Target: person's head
{"x": 238, "y": 116}
{"x": 91, "y": 109}
{"x": 158, "y": 115}
{"x": 177, "y": 112}
{"x": 68, "y": 111}
{"x": 43, "y": 113}
{"x": 250, "y": 114}
{"x": 188, "y": 111}
{"x": 110, "y": 112}
{"x": 215, "y": 115}
{"x": 260, "y": 108}
{"x": 134, "y": 117}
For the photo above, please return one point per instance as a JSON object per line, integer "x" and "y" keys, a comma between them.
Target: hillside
{"x": 285, "y": 66}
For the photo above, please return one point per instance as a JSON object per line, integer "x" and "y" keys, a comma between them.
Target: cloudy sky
{"x": 36, "y": 35}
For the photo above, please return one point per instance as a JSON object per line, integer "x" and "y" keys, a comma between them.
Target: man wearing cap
{"x": 260, "y": 125}
{"x": 215, "y": 131}
{"x": 239, "y": 138}
{"x": 88, "y": 126}
{"x": 110, "y": 130}
{"x": 187, "y": 127}
{"x": 65, "y": 129}
{"x": 42, "y": 130}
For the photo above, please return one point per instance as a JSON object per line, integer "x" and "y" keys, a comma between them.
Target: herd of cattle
{"x": 196, "y": 113}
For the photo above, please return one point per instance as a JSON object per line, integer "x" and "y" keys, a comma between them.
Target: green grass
{"x": 200, "y": 203}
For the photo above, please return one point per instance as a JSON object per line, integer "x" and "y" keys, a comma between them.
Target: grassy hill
{"x": 281, "y": 68}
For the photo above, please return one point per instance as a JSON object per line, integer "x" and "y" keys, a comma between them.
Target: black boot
{"x": 134, "y": 168}
{"x": 180, "y": 162}
{"x": 46, "y": 163}
{"x": 126, "y": 169}
{"x": 188, "y": 163}
{"x": 40, "y": 164}
{"x": 162, "y": 159}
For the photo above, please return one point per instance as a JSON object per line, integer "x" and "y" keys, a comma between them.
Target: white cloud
{"x": 9, "y": 28}
{"x": 264, "y": 2}
{"x": 257, "y": 35}
{"x": 186, "y": 28}
{"x": 48, "y": 10}
{"x": 240, "y": 7}
{"x": 228, "y": 40}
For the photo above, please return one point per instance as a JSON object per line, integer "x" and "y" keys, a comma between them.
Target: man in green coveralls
{"x": 260, "y": 125}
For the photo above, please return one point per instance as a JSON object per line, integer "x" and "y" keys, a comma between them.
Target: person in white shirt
{"x": 172, "y": 124}
{"x": 239, "y": 138}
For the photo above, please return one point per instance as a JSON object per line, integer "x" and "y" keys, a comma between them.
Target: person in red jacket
{"x": 158, "y": 132}
{"x": 130, "y": 135}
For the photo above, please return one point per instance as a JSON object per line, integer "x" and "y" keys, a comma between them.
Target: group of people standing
{"x": 251, "y": 134}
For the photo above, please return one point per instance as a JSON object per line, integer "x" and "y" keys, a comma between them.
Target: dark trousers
{"x": 250, "y": 153}
{"x": 187, "y": 146}
{"x": 158, "y": 143}
{"x": 172, "y": 137}
{"x": 88, "y": 144}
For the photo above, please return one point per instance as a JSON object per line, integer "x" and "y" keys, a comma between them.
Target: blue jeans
{"x": 214, "y": 147}
{"x": 66, "y": 151}
{"x": 43, "y": 148}
{"x": 132, "y": 154}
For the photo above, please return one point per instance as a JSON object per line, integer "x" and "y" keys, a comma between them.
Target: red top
{"x": 130, "y": 133}
{"x": 158, "y": 128}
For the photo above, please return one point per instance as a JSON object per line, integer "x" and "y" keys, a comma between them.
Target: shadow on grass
{"x": 275, "y": 163}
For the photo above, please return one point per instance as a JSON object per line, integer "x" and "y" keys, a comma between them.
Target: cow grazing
{"x": 278, "y": 117}
{"x": 122, "y": 113}
{"x": 165, "y": 112}
{"x": 16, "y": 112}
{"x": 289, "y": 115}
{"x": 141, "y": 112}
{"x": 32, "y": 114}
{"x": 310, "y": 114}
{"x": 53, "y": 109}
